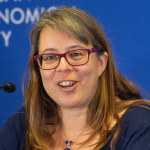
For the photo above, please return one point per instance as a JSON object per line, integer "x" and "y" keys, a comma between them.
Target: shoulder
{"x": 136, "y": 116}
{"x": 19, "y": 118}
{"x": 135, "y": 131}
{"x": 14, "y": 131}
{"x": 18, "y": 123}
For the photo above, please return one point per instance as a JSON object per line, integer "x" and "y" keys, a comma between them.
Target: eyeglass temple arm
{"x": 95, "y": 49}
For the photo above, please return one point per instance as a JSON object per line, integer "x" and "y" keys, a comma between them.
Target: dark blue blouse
{"x": 134, "y": 135}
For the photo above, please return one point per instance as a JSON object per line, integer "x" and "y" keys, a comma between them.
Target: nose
{"x": 64, "y": 65}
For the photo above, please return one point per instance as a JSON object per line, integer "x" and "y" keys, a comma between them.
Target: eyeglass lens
{"x": 77, "y": 57}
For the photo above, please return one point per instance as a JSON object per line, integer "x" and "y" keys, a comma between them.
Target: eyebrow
{"x": 75, "y": 47}
{"x": 49, "y": 49}
{"x": 68, "y": 48}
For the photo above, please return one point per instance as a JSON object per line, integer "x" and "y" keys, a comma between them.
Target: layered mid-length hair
{"x": 43, "y": 111}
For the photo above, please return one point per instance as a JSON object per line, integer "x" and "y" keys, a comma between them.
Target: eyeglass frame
{"x": 95, "y": 49}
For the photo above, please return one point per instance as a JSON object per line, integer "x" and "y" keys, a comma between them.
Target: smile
{"x": 67, "y": 84}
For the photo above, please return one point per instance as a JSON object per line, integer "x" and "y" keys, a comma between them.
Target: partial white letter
{"x": 6, "y": 17}
{"x": 6, "y": 37}
{"x": 21, "y": 13}
{"x": 29, "y": 16}
{"x": 51, "y": 8}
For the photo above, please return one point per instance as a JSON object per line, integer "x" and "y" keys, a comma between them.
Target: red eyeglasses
{"x": 76, "y": 57}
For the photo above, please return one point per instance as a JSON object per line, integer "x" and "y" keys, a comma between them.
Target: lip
{"x": 68, "y": 89}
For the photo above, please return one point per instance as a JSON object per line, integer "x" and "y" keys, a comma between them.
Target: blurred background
{"x": 125, "y": 22}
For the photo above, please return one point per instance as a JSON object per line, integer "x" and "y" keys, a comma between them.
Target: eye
{"x": 50, "y": 57}
{"x": 75, "y": 54}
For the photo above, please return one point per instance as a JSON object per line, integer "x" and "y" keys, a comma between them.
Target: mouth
{"x": 67, "y": 84}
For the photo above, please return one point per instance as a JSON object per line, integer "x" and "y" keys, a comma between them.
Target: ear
{"x": 103, "y": 59}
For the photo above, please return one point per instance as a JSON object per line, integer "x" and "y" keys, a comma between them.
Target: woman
{"x": 75, "y": 97}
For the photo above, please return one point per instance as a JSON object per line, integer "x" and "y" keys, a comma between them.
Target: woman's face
{"x": 85, "y": 77}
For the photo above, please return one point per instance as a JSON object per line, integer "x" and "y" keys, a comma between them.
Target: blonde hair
{"x": 103, "y": 108}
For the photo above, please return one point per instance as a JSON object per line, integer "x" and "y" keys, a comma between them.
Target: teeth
{"x": 67, "y": 83}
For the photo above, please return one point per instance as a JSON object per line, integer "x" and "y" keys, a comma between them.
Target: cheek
{"x": 87, "y": 74}
{"x": 90, "y": 73}
{"x": 47, "y": 76}
{"x": 88, "y": 83}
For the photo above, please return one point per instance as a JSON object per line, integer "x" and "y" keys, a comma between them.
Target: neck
{"x": 74, "y": 121}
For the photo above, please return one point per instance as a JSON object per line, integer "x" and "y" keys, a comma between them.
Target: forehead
{"x": 53, "y": 38}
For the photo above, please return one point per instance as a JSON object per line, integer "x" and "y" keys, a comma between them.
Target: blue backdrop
{"x": 125, "y": 22}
